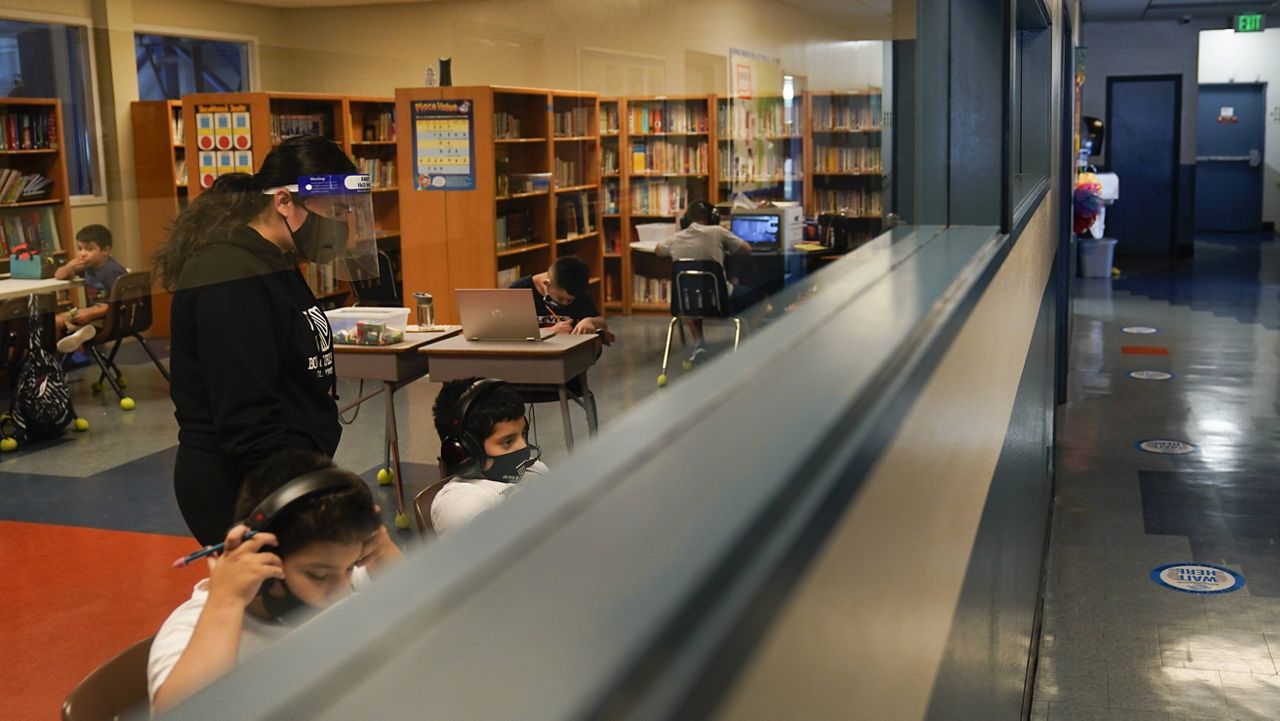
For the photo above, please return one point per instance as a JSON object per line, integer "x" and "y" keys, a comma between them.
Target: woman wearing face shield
{"x": 251, "y": 354}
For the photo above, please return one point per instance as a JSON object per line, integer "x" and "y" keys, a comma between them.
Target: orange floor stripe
{"x": 1144, "y": 350}
{"x": 72, "y": 598}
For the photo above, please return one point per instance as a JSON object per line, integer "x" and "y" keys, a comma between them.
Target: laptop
{"x": 501, "y": 314}
{"x": 762, "y": 232}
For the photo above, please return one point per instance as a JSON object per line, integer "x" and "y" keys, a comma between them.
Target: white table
{"x": 394, "y": 366}
{"x": 19, "y": 287}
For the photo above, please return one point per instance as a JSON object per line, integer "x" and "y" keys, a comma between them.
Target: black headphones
{"x": 312, "y": 483}
{"x": 702, "y": 207}
{"x": 460, "y": 451}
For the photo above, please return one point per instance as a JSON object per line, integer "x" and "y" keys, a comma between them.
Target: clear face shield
{"x": 339, "y": 228}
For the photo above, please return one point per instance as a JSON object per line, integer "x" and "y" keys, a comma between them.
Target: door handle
{"x": 1254, "y": 158}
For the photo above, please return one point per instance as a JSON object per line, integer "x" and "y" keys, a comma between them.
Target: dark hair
{"x": 96, "y": 234}
{"x": 346, "y": 516}
{"x": 700, "y": 212}
{"x": 237, "y": 198}
{"x": 571, "y": 275}
{"x": 495, "y": 406}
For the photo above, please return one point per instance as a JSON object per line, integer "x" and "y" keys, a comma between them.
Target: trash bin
{"x": 1096, "y": 257}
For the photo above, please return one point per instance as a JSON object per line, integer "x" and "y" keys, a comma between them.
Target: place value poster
{"x": 443, "y": 145}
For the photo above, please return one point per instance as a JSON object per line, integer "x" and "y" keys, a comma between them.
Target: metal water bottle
{"x": 426, "y": 310}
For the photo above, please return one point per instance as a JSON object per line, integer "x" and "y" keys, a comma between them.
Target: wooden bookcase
{"x": 762, "y": 147}
{"x": 161, "y": 157}
{"x": 847, "y": 169}
{"x": 32, "y": 143}
{"x": 509, "y": 225}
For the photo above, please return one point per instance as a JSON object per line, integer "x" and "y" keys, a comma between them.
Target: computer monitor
{"x": 763, "y": 231}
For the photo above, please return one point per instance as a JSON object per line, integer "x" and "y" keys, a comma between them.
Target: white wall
{"x": 1227, "y": 56}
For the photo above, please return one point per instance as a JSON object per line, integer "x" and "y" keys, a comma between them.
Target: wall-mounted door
{"x": 1143, "y": 129}
{"x": 1229, "y": 152}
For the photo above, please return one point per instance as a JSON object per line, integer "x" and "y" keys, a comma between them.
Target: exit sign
{"x": 1251, "y": 23}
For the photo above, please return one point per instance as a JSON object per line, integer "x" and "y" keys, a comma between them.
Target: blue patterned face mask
{"x": 510, "y": 467}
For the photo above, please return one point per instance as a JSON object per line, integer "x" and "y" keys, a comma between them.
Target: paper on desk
{"x": 653, "y": 233}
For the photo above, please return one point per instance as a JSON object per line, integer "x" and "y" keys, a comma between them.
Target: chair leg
{"x": 104, "y": 364}
{"x": 737, "y": 331}
{"x": 666, "y": 350}
{"x": 160, "y": 366}
{"x": 683, "y": 341}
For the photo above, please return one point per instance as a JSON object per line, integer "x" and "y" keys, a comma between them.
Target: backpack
{"x": 41, "y": 406}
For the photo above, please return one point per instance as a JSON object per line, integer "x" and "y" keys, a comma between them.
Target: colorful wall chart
{"x": 443, "y": 145}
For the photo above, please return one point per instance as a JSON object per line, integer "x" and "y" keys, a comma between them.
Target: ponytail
{"x": 236, "y": 199}
{"x": 233, "y": 201}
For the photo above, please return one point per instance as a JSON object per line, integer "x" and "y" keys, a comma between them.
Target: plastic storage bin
{"x": 368, "y": 326}
{"x": 1096, "y": 257}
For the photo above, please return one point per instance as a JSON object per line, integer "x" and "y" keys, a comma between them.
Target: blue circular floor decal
{"x": 1150, "y": 375}
{"x": 1197, "y": 578}
{"x": 1166, "y": 447}
{"x": 1140, "y": 329}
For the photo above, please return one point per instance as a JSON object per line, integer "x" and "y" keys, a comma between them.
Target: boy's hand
{"x": 234, "y": 578}
{"x": 70, "y": 268}
{"x": 378, "y": 551}
{"x": 564, "y": 326}
{"x": 585, "y": 326}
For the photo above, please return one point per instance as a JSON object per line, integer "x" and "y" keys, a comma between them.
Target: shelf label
{"x": 444, "y": 145}
{"x": 1200, "y": 578}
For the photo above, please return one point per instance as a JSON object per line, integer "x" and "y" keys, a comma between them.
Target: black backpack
{"x": 41, "y": 406}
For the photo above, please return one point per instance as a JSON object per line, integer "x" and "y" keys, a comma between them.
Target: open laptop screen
{"x": 761, "y": 231}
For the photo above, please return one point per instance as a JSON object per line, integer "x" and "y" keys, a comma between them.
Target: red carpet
{"x": 71, "y": 598}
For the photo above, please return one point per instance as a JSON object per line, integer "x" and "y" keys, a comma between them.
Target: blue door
{"x": 1229, "y": 151}
{"x": 1143, "y": 128}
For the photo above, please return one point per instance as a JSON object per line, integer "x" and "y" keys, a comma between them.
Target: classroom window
{"x": 51, "y": 60}
{"x": 170, "y": 67}
{"x": 1031, "y": 113}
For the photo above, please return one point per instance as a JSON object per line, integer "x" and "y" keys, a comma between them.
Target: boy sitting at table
{"x": 484, "y": 444}
{"x": 93, "y": 260}
{"x": 561, "y": 294}
{"x": 314, "y": 550}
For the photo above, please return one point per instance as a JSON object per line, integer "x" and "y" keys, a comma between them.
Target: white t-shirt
{"x": 701, "y": 242}
{"x": 175, "y": 634}
{"x": 462, "y": 499}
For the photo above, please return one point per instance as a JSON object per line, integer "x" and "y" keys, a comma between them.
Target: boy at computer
{"x": 93, "y": 260}
{"x": 561, "y": 294}
{"x": 316, "y": 536}
{"x": 701, "y": 237}
{"x": 484, "y": 444}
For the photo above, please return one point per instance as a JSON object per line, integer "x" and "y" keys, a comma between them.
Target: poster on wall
{"x": 753, "y": 75}
{"x": 443, "y": 145}
{"x": 755, "y": 117}
{"x": 219, "y": 129}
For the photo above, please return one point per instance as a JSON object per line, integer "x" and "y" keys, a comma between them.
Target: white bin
{"x": 1096, "y": 257}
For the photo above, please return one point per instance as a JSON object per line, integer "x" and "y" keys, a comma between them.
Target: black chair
{"x": 15, "y": 332}
{"x": 380, "y": 292}
{"x": 128, "y": 316}
{"x": 699, "y": 291}
{"x": 113, "y": 688}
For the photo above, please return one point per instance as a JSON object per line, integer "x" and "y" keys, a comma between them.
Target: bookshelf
{"x": 846, "y": 163}
{"x": 536, "y": 158}
{"x": 34, "y": 195}
{"x": 160, "y": 162}
{"x": 371, "y": 141}
{"x": 613, "y": 188}
{"x": 762, "y": 147}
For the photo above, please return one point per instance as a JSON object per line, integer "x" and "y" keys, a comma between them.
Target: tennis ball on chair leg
{"x": 127, "y": 404}
{"x": 8, "y": 444}
{"x": 402, "y": 521}
{"x": 662, "y": 380}
{"x": 385, "y": 476}
{"x": 81, "y": 424}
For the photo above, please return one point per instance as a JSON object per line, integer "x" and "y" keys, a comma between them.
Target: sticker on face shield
{"x": 334, "y": 184}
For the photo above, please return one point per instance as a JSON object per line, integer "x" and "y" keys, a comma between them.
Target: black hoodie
{"x": 251, "y": 356}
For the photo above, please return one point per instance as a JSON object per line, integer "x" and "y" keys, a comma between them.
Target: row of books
{"x": 747, "y": 119}
{"x": 34, "y": 227}
{"x": 613, "y": 241}
{"x": 15, "y": 186}
{"x": 514, "y": 228}
{"x": 382, "y": 173}
{"x": 180, "y": 171}
{"x": 507, "y": 276}
{"x": 573, "y": 122}
{"x": 609, "y": 160}
{"x": 751, "y": 166}
{"x": 379, "y": 126}
{"x": 847, "y": 112}
{"x": 609, "y": 119}
{"x": 664, "y": 156}
{"x": 858, "y": 202}
{"x": 176, "y": 126}
{"x": 284, "y": 126}
{"x": 650, "y": 290}
{"x": 566, "y": 173}
{"x": 506, "y": 125}
{"x": 28, "y": 130}
{"x": 667, "y": 117}
{"x": 833, "y": 159}
{"x": 612, "y": 197}
{"x": 660, "y": 198}
{"x": 611, "y": 283}
{"x": 320, "y": 278}
{"x": 575, "y": 214}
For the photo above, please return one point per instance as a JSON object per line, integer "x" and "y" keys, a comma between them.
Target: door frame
{"x": 1175, "y": 171}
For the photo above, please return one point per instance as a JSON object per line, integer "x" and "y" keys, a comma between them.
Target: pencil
{"x": 207, "y": 551}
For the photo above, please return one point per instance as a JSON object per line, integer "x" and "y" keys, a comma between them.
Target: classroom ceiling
{"x": 1117, "y": 10}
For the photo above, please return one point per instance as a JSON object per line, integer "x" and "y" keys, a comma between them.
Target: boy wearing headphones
{"x": 561, "y": 293}
{"x": 484, "y": 444}
{"x": 310, "y": 535}
{"x": 701, "y": 237}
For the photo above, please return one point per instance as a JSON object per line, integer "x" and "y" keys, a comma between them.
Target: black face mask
{"x": 510, "y": 467}
{"x": 319, "y": 239}
{"x": 282, "y": 605}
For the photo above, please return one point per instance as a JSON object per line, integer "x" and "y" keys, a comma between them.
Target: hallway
{"x": 1115, "y": 643}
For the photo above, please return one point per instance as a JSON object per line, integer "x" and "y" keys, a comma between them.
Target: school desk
{"x": 20, "y": 287}
{"x": 396, "y": 366}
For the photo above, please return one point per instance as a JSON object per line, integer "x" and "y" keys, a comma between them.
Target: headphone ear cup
{"x": 456, "y": 457}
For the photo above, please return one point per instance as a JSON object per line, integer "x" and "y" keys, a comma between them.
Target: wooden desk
{"x": 526, "y": 365}
{"x": 396, "y": 366}
{"x": 19, "y": 288}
